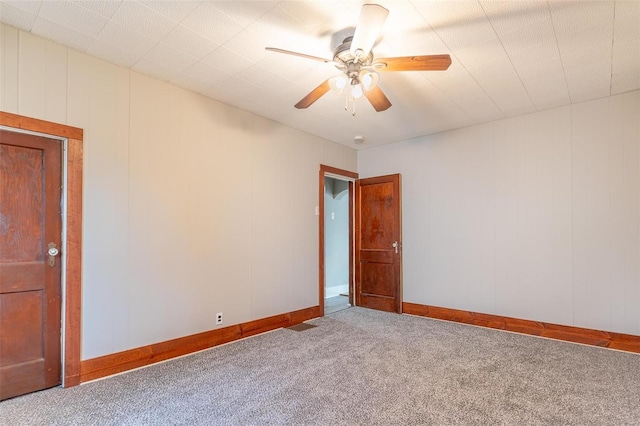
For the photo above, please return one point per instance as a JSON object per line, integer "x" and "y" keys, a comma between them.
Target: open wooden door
{"x": 30, "y": 280}
{"x": 378, "y": 229}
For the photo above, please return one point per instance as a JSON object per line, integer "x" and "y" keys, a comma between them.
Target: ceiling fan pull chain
{"x": 354, "y": 109}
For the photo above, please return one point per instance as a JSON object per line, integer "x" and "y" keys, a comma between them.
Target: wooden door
{"x": 378, "y": 243}
{"x": 30, "y": 219}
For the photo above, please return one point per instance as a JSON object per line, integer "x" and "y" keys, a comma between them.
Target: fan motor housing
{"x": 343, "y": 55}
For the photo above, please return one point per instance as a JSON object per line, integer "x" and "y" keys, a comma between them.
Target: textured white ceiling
{"x": 509, "y": 57}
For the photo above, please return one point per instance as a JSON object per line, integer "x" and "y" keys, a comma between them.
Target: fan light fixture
{"x": 354, "y": 85}
{"x": 354, "y": 58}
{"x": 338, "y": 83}
{"x": 369, "y": 79}
{"x": 356, "y": 92}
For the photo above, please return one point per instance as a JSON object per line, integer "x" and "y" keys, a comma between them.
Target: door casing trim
{"x": 72, "y": 222}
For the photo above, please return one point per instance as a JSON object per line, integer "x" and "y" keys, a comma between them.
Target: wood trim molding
{"x": 73, "y": 289}
{"x": 351, "y": 244}
{"x": 321, "y": 240}
{"x": 73, "y": 298}
{"x": 107, "y": 365}
{"x": 41, "y": 126}
{"x": 336, "y": 171}
{"x": 321, "y": 175}
{"x": 605, "y": 339}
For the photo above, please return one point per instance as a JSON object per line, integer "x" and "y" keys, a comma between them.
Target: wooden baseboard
{"x": 605, "y": 339}
{"x": 107, "y": 365}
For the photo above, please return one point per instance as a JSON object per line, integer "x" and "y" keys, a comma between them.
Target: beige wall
{"x": 191, "y": 207}
{"x": 534, "y": 217}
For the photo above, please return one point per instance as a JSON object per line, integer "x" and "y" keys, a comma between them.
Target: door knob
{"x": 395, "y": 246}
{"x": 52, "y": 252}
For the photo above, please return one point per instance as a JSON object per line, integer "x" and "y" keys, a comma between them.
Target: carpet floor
{"x": 360, "y": 367}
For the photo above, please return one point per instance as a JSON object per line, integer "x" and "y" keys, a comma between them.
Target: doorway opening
{"x": 336, "y": 245}
{"x": 336, "y": 239}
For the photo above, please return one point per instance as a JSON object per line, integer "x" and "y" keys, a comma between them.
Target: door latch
{"x": 53, "y": 252}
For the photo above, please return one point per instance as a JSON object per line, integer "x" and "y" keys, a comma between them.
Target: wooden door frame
{"x": 333, "y": 171}
{"x": 72, "y": 285}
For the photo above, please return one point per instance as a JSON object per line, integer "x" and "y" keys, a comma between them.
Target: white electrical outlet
{"x": 219, "y": 318}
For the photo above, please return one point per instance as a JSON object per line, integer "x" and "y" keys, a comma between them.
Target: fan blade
{"x": 414, "y": 63}
{"x": 370, "y": 21}
{"x": 314, "y": 95}
{"x": 377, "y": 98}
{"x": 302, "y": 55}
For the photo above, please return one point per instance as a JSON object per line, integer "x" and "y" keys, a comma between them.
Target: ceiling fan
{"x": 354, "y": 58}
